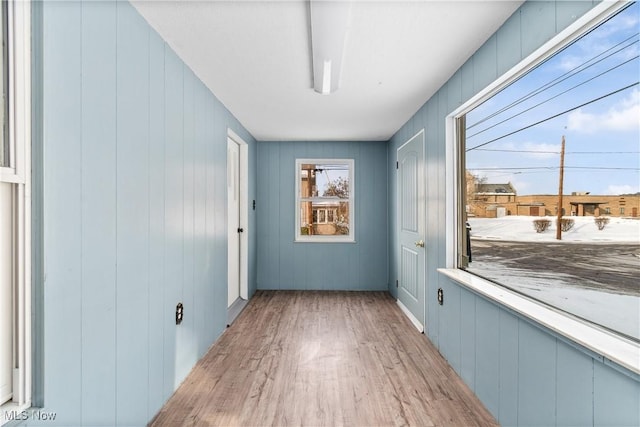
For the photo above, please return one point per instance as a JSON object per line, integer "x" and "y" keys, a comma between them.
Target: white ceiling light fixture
{"x": 329, "y": 25}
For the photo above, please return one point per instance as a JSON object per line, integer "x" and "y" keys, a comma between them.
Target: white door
{"x": 6, "y": 294}
{"x": 411, "y": 214}
{"x": 235, "y": 228}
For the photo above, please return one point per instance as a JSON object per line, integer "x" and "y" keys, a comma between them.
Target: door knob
{"x": 420, "y": 243}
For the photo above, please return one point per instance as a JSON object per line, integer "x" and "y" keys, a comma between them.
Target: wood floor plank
{"x": 320, "y": 358}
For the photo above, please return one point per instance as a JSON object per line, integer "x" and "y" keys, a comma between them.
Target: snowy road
{"x": 613, "y": 268}
{"x": 591, "y": 273}
{"x": 596, "y": 282}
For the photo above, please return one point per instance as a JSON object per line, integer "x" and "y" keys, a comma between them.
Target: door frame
{"x": 244, "y": 212}
{"x": 418, "y": 323}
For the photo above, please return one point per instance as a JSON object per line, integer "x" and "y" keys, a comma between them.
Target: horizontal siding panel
{"x": 156, "y": 224}
{"x": 536, "y": 376}
{"x": 508, "y": 362}
{"x": 487, "y": 374}
{"x": 616, "y": 398}
{"x": 62, "y": 224}
{"x": 574, "y": 404}
{"x": 538, "y": 24}
{"x": 508, "y": 43}
{"x": 132, "y": 216}
{"x": 99, "y": 214}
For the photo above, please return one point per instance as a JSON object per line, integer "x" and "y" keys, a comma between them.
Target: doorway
{"x": 237, "y": 220}
{"x": 411, "y": 229}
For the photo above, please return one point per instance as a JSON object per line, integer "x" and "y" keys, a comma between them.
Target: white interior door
{"x": 235, "y": 228}
{"x": 411, "y": 214}
{"x": 6, "y": 293}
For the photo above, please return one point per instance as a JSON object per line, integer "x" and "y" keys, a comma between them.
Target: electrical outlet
{"x": 179, "y": 313}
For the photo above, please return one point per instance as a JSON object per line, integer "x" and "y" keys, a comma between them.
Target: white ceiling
{"x": 255, "y": 57}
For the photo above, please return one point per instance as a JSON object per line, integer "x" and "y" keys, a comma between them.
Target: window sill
{"x": 324, "y": 240}
{"x": 619, "y": 350}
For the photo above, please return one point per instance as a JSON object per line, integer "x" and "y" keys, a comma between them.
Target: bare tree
{"x": 339, "y": 187}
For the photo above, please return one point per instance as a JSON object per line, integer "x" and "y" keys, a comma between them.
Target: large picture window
{"x": 549, "y": 179}
{"x": 324, "y": 200}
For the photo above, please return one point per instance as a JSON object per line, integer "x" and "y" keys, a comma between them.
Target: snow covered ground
{"x": 520, "y": 229}
{"x": 613, "y": 310}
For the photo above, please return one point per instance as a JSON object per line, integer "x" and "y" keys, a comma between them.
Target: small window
{"x": 324, "y": 200}
{"x": 323, "y": 216}
{"x": 607, "y": 211}
{"x": 621, "y": 211}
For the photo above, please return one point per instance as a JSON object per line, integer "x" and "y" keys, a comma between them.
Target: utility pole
{"x": 559, "y": 220}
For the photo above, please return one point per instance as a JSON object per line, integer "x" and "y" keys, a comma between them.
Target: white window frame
{"x": 19, "y": 123}
{"x": 326, "y": 213}
{"x": 349, "y": 238}
{"x": 322, "y": 213}
{"x": 624, "y": 352}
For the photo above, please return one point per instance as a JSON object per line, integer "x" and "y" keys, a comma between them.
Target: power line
{"x": 603, "y": 152}
{"x": 491, "y": 173}
{"x": 553, "y": 97}
{"x": 602, "y": 168}
{"x": 557, "y": 152}
{"x": 552, "y": 168}
{"x": 513, "y": 168}
{"x": 518, "y": 151}
{"x": 515, "y": 173}
{"x": 553, "y": 117}
{"x": 559, "y": 79}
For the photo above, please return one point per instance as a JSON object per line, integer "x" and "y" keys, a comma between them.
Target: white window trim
{"x": 19, "y": 54}
{"x": 350, "y": 238}
{"x": 19, "y": 119}
{"x": 625, "y": 353}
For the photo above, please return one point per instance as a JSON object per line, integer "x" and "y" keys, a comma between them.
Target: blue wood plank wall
{"x": 525, "y": 375}
{"x": 284, "y": 264}
{"x": 133, "y": 214}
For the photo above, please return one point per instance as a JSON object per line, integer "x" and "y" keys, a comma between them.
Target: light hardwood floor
{"x": 323, "y": 359}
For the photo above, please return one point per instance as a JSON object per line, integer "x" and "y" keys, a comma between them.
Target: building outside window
{"x": 324, "y": 200}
